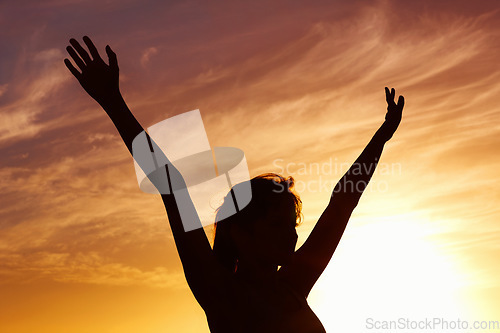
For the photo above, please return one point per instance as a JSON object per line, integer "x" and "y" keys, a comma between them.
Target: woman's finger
{"x": 401, "y": 102}
{"x": 81, "y": 51}
{"x": 72, "y": 68}
{"x": 113, "y": 62}
{"x": 92, "y": 48}
{"x": 78, "y": 61}
{"x": 387, "y": 95}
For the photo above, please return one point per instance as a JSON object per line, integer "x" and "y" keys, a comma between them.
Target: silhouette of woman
{"x": 239, "y": 283}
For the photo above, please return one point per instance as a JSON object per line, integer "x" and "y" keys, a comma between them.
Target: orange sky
{"x": 291, "y": 83}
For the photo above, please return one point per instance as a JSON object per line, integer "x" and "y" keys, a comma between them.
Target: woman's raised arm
{"x": 313, "y": 256}
{"x": 100, "y": 81}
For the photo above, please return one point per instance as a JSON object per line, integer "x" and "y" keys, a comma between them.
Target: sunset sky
{"x": 299, "y": 87}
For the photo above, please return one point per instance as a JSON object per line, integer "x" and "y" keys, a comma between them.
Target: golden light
{"x": 385, "y": 270}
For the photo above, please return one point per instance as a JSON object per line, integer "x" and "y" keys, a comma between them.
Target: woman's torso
{"x": 246, "y": 307}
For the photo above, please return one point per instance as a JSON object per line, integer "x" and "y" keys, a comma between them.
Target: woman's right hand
{"x": 99, "y": 79}
{"x": 393, "y": 115}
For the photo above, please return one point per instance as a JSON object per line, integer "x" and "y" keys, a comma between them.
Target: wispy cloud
{"x": 20, "y": 117}
{"x": 89, "y": 268}
{"x": 147, "y": 54}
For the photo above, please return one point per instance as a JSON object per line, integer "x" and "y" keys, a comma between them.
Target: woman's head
{"x": 263, "y": 228}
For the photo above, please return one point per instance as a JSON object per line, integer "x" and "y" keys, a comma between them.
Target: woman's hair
{"x": 269, "y": 191}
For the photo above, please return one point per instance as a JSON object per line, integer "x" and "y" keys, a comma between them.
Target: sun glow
{"x": 386, "y": 270}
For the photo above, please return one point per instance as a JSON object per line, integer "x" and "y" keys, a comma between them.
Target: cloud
{"x": 147, "y": 54}
{"x": 3, "y": 89}
{"x": 20, "y": 117}
{"x": 90, "y": 268}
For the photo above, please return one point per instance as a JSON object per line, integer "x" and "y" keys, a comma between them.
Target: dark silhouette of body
{"x": 248, "y": 293}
